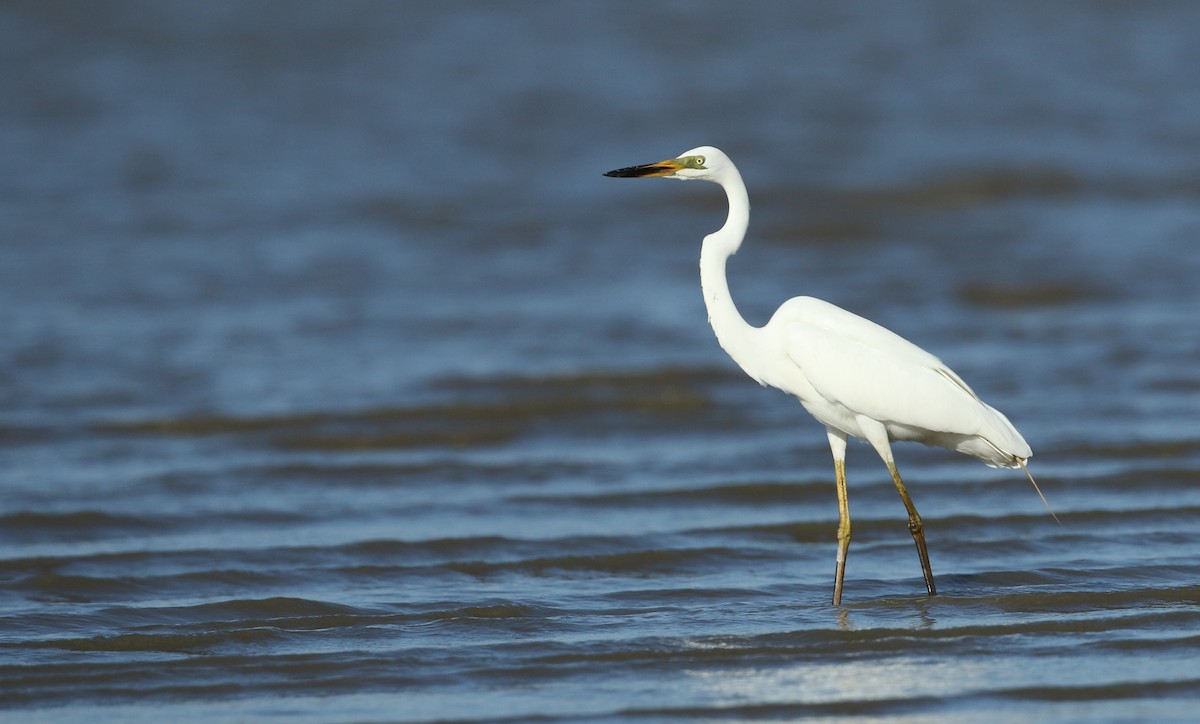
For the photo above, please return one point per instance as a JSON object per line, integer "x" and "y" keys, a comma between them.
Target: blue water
{"x": 337, "y": 384}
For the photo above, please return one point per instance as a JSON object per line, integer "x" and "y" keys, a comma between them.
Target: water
{"x": 337, "y": 384}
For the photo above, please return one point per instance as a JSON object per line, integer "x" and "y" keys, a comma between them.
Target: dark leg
{"x": 916, "y": 527}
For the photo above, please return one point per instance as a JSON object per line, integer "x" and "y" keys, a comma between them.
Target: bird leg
{"x": 916, "y": 527}
{"x": 843, "y": 532}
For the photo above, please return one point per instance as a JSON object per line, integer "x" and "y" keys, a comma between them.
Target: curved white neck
{"x": 733, "y": 332}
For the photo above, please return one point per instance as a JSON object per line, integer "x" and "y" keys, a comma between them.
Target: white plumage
{"x": 856, "y": 377}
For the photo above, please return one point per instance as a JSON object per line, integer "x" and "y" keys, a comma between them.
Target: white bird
{"x": 854, "y": 376}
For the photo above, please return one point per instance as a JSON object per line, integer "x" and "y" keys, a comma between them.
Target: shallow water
{"x": 337, "y": 384}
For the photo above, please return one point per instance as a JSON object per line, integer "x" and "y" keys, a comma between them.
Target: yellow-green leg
{"x": 837, "y": 445}
{"x": 843, "y": 533}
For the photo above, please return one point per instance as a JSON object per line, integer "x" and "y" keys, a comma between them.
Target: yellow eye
{"x": 698, "y": 161}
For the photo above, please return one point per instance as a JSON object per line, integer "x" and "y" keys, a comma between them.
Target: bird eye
{"x": 698, "y": 161}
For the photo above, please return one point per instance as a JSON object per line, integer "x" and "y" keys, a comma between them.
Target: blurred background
{"x": 328, "y": 354}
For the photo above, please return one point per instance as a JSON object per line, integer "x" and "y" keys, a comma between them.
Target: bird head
{"x": 704, "y": 162}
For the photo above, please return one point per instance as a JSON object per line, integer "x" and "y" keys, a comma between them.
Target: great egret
{"x": 856, "y": 377}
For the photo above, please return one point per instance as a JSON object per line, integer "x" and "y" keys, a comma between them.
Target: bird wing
{"x": 870, "y": 370}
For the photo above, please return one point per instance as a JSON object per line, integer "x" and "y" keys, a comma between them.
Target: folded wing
{"x": 861, "y": 366}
